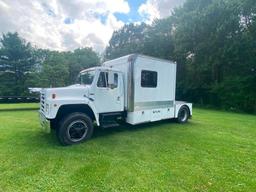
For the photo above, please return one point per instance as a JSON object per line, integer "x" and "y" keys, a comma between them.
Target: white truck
{"x": 134, "y": 89}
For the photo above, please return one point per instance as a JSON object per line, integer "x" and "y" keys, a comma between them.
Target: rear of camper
{"x": 149, "y": 88}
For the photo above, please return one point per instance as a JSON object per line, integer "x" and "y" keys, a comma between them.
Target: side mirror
{"x": 111, "y": 82}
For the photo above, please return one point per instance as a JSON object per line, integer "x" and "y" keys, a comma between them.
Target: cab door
{"x": 109, "y": 98}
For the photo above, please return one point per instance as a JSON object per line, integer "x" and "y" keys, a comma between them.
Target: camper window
{"x": 148, "y": 79}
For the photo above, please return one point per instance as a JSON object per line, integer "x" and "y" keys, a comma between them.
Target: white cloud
{"x": 156, "y": 9}
{"x": 3, "y": 5}
{"x": 42, "y": 22}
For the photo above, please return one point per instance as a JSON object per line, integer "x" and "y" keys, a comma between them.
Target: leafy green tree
{"x": 61, "y": 68}
{"x": 22, "y": 66}
{"x": 80, "y": 59}
{"x": 17, "y": 59}
{"x": 55, "y": 71}
{"x": 154, "y": 40}
{"x": 129, "y": 39}
{"x": 158, "y": 40}
{"x": 215, "y": 51}
{"x": 213, "y": 42}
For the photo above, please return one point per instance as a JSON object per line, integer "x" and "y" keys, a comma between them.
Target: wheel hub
{"x": 77, "y": 131}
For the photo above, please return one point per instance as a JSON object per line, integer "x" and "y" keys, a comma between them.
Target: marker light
{"x": 53, "y": 95}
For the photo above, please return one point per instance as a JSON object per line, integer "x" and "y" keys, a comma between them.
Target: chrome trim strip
{"x": 45, "y": 124}
{"x": 153, "y": 105}
{"x": 130, "y": 79}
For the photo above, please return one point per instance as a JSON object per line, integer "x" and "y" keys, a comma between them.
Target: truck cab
{"x": 119, "y": 90}
{"x": 97, "y": 95}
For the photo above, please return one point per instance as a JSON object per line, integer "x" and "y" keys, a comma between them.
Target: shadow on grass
{"x": 19, "y": 109}
{"x": 51, "y": 140}
{"x": 99, "y": 132}
{"x": 40, "y": 139}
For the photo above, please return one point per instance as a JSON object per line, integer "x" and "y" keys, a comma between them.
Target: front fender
{"x": 54, "y": 106}
{"x": 96, "y": 114}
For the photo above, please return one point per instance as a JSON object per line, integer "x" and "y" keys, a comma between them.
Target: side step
{"x": 108, "y": 120}
{"x": 109, "y": 124}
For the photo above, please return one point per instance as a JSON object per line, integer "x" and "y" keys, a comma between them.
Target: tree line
{"x": 23, "y": 66}
{"x": 212, "y": 41}
{"x": 214, "y": 45}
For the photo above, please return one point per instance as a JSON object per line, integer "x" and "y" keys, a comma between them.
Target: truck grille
{"x": 42, "y": 102}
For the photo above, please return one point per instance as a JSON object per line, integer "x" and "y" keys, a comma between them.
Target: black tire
{"x": 54, "y": 124}
{"x": 74, "y": 128}
{"x": 183, "y": 115}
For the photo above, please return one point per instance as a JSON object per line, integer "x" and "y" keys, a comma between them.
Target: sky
{"x": 69, "y": 24}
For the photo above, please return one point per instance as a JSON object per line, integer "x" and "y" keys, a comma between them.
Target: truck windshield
{"x": 86, "y": 77}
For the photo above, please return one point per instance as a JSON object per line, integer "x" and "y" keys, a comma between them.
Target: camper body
{"x": 133, "y": 89}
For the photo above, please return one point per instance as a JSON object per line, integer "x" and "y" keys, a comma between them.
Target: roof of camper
{"x": 98, "y": 67}
{"x": 135, "y": 56}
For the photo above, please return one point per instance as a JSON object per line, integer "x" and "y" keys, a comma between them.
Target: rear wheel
{"x": 183, "y": 115}
{"x": 74, "y": 128}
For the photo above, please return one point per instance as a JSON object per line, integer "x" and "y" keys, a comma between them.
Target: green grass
{"x": 18, "y": 106}
{"x": 215, "y": 151}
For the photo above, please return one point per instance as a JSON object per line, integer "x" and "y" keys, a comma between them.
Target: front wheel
{"x": 183, "y": 115}
{"x": 74, "y": 128}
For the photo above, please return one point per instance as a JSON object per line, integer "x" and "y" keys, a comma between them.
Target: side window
{"x": 148, "y": 79}
{"x": 102, "y": 81}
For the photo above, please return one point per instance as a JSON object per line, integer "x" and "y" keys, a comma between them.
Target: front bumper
{"x": 45, "y": 123}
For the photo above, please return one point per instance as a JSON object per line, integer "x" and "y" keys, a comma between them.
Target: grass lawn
{"x": 215, "y": 151}
{"x": 18, "y": 106}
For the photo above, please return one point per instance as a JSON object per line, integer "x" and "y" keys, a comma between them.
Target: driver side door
{"x": 108, "y": 99}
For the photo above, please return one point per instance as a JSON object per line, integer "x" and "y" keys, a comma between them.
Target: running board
{"x": 109, "y": 125}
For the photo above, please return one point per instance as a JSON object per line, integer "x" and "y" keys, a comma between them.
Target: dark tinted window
{"x": 148, "y": 79}
{"x": 103, "y": 79}
{"x": 115, "y": 80}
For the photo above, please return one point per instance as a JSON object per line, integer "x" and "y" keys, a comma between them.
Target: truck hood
{"x": 76, "y": 91}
